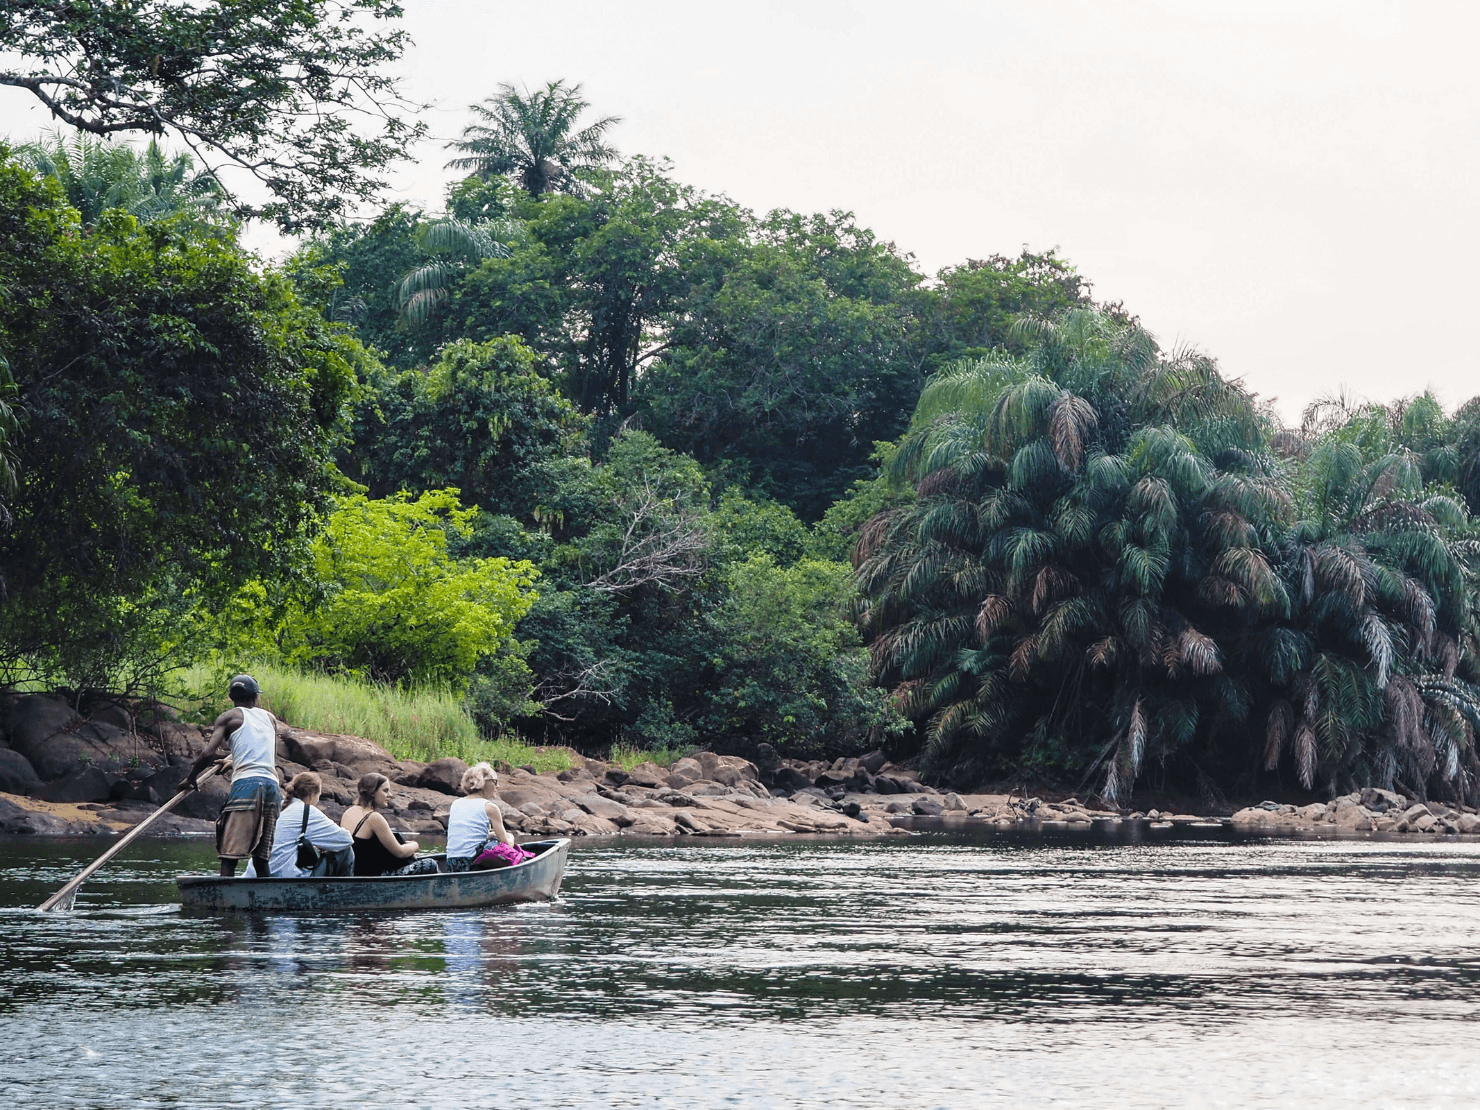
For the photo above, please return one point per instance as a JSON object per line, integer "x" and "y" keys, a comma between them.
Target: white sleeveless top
{"x": 254, "y": 746}
{"x": 467, "y": 827}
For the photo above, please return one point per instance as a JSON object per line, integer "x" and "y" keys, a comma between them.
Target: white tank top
{"x": 467, "y": 827}
{"x": 254, "y": 746}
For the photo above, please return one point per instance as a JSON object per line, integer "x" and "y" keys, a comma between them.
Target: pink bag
{"x": 500, "y": 855}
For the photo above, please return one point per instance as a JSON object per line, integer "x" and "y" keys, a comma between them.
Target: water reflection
{"x": 770, "y": 974}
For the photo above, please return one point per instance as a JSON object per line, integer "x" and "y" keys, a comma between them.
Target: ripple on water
{"x": 990, "y": 972}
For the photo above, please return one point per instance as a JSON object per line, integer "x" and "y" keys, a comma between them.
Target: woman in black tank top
{"x": 378, "y": 849}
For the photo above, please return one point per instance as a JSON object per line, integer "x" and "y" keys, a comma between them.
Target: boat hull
{"x": 534, "y": 880}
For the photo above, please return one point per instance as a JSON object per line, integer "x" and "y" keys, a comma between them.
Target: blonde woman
{"x": 378, "y": 849}
{"x": 475, "y": 820}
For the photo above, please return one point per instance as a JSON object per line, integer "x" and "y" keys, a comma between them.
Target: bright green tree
{"x": 389, "y": 603}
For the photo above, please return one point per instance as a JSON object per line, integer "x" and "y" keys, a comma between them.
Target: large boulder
{"x": 360, "y": 757}
{"x": 59, "y": 743}
{"x": 1381, "y": 801}
{"x": 205, "y": 803}
{"x": 32, "y": 719}
{"x": 731, "y": 770}
{"x": 443, "y": 775}
{"x": 789, "y": 780}
{"x": 87, "y": 785}
{"x": 614, "y": 812}
{"x": 649, "y": 775}
{"x": 17, "y": 776}
{"x": 685, "y": 772}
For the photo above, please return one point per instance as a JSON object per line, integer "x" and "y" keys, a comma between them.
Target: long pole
{"x": 62, "y": 899}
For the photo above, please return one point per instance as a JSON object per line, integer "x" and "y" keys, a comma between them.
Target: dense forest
{"x": 619, "y": 461}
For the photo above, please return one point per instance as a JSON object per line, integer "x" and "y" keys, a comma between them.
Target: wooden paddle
{"x": 63, "y": 899}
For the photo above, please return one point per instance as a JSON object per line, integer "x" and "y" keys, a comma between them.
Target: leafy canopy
{"x": 390, "y": 603}
{"x": 294, "y": 93}
{"x": 532, "y": 137}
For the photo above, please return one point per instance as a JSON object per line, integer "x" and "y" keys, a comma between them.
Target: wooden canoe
{"x": 534, "y": 880}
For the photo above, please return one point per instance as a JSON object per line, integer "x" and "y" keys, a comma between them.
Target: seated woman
{"x": 378, "y": 850}
{"x": 475, "y": 821}
{"x": 301, "y": 819}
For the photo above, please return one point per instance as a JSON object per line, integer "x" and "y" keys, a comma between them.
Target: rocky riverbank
{"x": 64, "y": 774}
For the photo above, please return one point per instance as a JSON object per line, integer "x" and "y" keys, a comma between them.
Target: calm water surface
{"x": 934, "y": 972}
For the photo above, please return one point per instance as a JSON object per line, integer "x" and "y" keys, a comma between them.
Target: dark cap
{"x": 245, "y": 684}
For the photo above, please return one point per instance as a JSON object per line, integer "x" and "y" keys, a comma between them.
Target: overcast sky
{"x": 1289, "y": 186}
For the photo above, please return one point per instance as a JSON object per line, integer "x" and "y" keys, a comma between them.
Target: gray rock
{"x": 766, "y": 758}
{"x": 1380, "y": 801}
{"x": 17, "y": 776}
{"x": 953, "y": 802}
{"x": 598, "y": 806}
{"x": 649, "y": 775}
{"x": 1413, "y": 813}
{"x": 734, "y": 771}
{"x": 443, "y": 775}
{"x": 88, "y": 785}
{"x": 205, "y": 804}
{"x": 928, "y": 807}
{"x": 66, "y": 751}
{"x": 789, "y": 780}
{"x": 873, "y": 762}
{"x": 33, "y": 718}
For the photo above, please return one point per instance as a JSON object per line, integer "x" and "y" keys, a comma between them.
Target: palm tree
{"x": 452, "y": 246}
{"x": 1373, "y": 675}
{"x": 1091, "y": 522}
{"x": 531, "y": 137}
{"x": 96, "y": 175}
{"x": 1106, "y": 564}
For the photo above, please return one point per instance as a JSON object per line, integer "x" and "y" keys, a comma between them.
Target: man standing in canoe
{"x": 249, "y": 818}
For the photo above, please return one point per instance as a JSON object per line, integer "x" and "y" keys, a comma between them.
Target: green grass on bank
{"x": 628, "y": 758}
{"x": 422, "y": 724}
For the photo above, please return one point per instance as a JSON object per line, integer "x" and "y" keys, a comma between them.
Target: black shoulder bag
{"x": 308, "y": 855}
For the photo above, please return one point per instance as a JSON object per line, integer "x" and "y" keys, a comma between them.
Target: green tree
{"x": 293, "y": 93}
{"x": 480, "y": 418}
{"x": 388, "y": 602}
{"x": 1090, "y": 524}
{"x": 1373, "y": 675}
{"x": 532, "y": 137}
{"x": 176, "y": 417}
{"x": 976, "y": 303}
{"x": 96, "y": 175}
{"x": 788, "y": 668}
{"x": 789, "y": 364}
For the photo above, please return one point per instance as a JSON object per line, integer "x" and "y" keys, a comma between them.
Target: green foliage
{"x": 979, "y": 301}
{"x": 1105, "y": 565}
{"x": 788, "y": 668}
{"x": 627, "y": 757}
{"x": 532, "y": 138}
{"x": 410, "y": 724}
{"x": 794, "y": 363}
{"x": 176, "y": 414}
{"x": 650, "y": 635}
{"x": 95, "y": 176}
{"x": 293, "y": 94}
{"x": 391, "y": 605}
{"x": 480, "y": 418}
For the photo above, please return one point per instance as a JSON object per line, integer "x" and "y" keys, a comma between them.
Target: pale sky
{"x": 1288, "y": 186}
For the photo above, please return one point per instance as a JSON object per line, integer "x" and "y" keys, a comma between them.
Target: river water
{"x": 1173, "y": 970}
